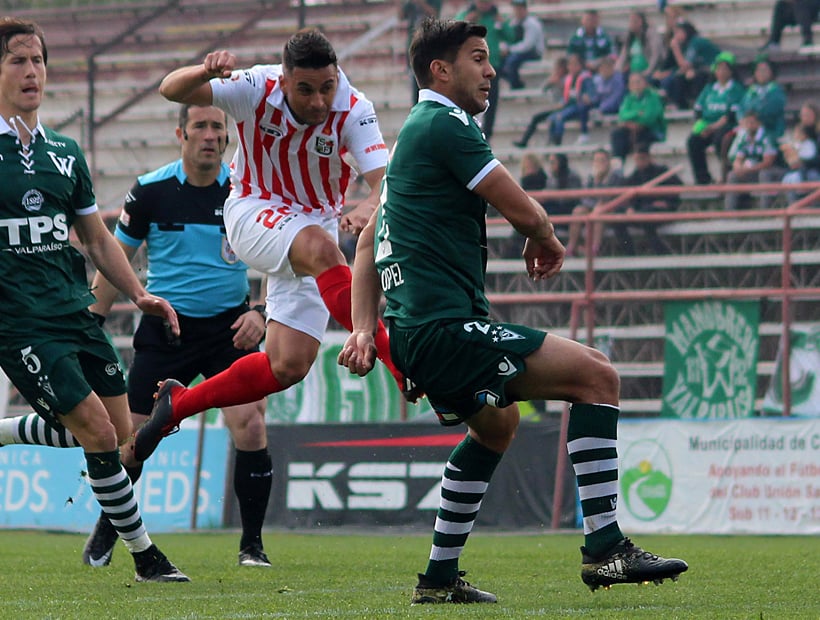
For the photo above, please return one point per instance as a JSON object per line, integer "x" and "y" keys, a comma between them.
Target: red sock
{"x": 334, "y": 287}
{"x": 246, "y": 380}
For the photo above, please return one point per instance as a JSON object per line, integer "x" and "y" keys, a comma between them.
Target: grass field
{"x": 359, "y": 576}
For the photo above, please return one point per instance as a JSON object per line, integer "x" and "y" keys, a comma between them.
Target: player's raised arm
{"x": 192, "y": 84}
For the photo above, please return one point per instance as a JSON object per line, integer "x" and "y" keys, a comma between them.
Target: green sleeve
{"x": 575, "y": 46}
{"x": 654, "y": 114}
{"x": 457, "y": 132}
{"x": 628, "y": 110}
{"x": 508, "y": 32}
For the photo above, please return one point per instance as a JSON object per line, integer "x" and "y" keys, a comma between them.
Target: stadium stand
{"x": 122, "y": 49}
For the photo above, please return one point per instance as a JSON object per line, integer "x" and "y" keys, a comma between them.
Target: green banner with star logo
{"x": 710, "y": 359}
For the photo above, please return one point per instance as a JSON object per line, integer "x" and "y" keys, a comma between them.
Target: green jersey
{"x": 45, "y": 187}
{"x": 716, "y": 101}
{"x": 431, "y": 236}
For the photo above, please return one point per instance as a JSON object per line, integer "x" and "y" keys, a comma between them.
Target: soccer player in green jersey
{"x": 425, "y": 249}
{"x": 51, "y": 347}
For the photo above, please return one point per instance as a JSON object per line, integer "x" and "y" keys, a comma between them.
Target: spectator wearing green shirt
{"x": 590, "y": 41}
{"x": 486, "y": 13}
{"x": 716, "y": 115}
{"x": 641, "y": 118}
{"x": 754, "y": 156}
{"x": 643, "y": 49}
{"x": 694, "y": 56}
{"x": 767, "y": 99}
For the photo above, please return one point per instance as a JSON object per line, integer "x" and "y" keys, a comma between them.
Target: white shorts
{"x": 260, "y": 233}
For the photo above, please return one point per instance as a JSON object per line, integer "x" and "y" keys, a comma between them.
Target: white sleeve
{"x": 807, "y": 149}
{"x": 240, "y": 94}
{"x": 532, "y": 32}
{"x": 363, "y": 138}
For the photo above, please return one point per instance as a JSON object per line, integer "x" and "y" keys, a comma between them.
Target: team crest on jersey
{"x": 228, "y": 255}
{"x": 500, "y": 333}
{"x": 33, "y": 200}
{"x": 324, "y": 146}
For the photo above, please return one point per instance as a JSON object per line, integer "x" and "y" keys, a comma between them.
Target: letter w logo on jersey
{"x": 63, "y": 164}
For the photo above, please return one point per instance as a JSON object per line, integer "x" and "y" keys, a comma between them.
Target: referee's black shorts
{"x": 205, "y": 346}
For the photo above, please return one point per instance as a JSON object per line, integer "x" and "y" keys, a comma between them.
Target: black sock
{"x": 252, "y": 481}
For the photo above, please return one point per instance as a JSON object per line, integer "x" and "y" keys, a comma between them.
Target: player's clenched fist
{"x": 219, "y": 64}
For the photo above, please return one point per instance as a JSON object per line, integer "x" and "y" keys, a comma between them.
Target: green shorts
{"x": 463, "y": 364}
{"x": 56, "y": 363}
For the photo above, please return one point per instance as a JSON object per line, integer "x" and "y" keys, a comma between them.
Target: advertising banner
{"x": 44, "y": 487}
{"x": 758, "y": 476}
{"x": 390, "y": 474}
{"x": 804, "y": 375}
{"x": 710, "y": 359}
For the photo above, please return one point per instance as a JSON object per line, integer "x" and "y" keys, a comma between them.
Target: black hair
{"x": 768, "y": 63}
{"x": 308, "y": 49}
{"x": 810, "y": 132}
{"x": 644, "y": 148}
{"x": 437, "y": 39}
{"x": 563, "y": 170}
{"x": 687, "y": 28}
{"x": 11, "y": 27}
{"x": 641, "y": 36}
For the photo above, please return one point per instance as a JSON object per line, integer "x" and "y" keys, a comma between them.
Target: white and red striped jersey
{"x": 278, "y": 158}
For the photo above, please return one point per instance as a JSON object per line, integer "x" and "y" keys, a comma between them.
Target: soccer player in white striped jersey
{"x": 297, "y": 123}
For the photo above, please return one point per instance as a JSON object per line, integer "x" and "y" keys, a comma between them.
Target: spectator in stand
{"x": 603, "y": 175}
{"x": 414, "y": 12}
{"x": 801, "y": 13}
{"x": 528, "y": 45}
{"x": 672, "y": 15}
{"x": 809, "y": 116}
{"x": 642, "y": 52}
{"x": 486, "y": 13}
{"x": 641, "y": 118}
{"x": 533, "y": 175}
{"x": 753, "y": 156}
{"x": 715, "y": 114}
{"x": 560, "y": 176}
{"x": 645, "y": 170}
{"x": 578, "y": 93}
{"x": 610, "y": 87}
{"x": 767, "y": 99}
{"x": 694, "y": 56}
{"x": 801, "y": 157}
{"x": 554, "y": 84}
{"x": 590, "y": 41}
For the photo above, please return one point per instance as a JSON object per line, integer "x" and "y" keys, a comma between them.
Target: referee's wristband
{"x": 260, "y": 308}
